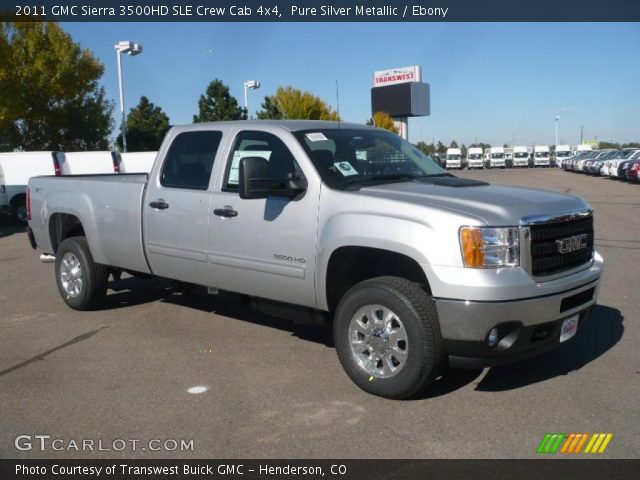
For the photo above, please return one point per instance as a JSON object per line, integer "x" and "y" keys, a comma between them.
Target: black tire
{"x": 19, "y": 209}
{"x": 416, "y": 309}
{"x": 94, "y": 275}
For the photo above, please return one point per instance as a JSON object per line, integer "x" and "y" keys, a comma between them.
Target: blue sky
{"x": 497, "y": 82}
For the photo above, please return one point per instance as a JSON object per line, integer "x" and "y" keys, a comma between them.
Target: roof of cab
{"x": 291, "y": 125}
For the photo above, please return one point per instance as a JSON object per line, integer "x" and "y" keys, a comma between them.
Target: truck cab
{"x": 496, "y": 157}
{"x": 562, "y": 153}
{"x": 475, "y": 158}
{"x": 454, "y": 158}
{"x": 520, "y": 156}
{"x": 541, "y": 156}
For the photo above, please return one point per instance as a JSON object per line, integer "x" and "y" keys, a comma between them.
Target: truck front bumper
{"x": 526, "y": 325}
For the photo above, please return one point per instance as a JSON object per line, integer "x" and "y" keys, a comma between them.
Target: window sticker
{"x": 345, "y": 168}
{"x": 316, "y": 137}
{"x": 234, "y": 171}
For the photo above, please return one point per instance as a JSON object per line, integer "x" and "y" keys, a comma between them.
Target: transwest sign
{"x": 382, "y": 78}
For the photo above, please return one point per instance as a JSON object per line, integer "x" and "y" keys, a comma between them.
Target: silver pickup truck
{"x": 322, "y": 221}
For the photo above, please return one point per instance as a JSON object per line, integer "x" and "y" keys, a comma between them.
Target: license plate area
{"x": 569, "y": 328}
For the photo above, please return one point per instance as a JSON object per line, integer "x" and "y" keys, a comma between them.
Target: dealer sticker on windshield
{"x": 316, "y": 136}
{"x": 345, "y": 168}
{"x": 569, "y": 328}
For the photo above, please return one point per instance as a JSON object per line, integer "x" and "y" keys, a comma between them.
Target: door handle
{"x": 225, "y": 212}
{"x": 160, "y": 204}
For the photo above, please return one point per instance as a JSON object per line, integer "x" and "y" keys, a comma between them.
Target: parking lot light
{"x": 132, "y": 49}
{"x": 250, "y": 85}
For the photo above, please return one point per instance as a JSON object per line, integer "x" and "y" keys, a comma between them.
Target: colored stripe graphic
{"x": 550, "y": 443}
{"x": 598, "y": 443}
{"x": 572, "y": 443}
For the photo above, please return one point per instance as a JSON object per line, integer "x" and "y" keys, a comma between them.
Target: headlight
{"x": 490, "y": 247}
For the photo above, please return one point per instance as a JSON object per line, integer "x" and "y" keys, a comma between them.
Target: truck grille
{"x": 546, "y": 258}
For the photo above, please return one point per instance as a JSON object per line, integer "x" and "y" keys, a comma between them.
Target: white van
{"x": 454, "y": 158}
{"x": 521, "y": 156}
{"x": 17, "y": 168}
{"x": 562, "y": 153}
{"x": 496, "y": 157}
{"x": 133, "y": 162}
{"x": 5, "y": 207}
{"x": 474, "y": 158}
{"x": 87, "y": 163}
{"x": 541, "y": 156}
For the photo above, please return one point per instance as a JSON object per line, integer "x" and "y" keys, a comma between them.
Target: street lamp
{"x": 251, "y": 85}
{"x": 557, "y": 118}
{"x": 132, "y": 49}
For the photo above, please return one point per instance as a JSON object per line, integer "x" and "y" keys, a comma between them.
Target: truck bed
{"x": 109, "y": 207}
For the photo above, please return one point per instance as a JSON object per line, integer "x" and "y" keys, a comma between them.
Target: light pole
{"x": 557, "y": 118}
{"x": 132, "y": 49}
{"x": 251, "y": 85}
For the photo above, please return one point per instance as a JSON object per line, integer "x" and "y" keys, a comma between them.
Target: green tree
{"x": 440, "y": 148}
{"x": 294, "y": 104}
{"x": 630, "y": 145}
{"x": 269, "y": 110}
{"x": 384, "y": 120}
{"x": 453, "y": 144}
{"x": 50, "y": 97}
{"x": 607, "y": 145}
{"x": 429, "y": 149}
{"x": 146, "y": 127}
{"x": 218, "y": 104}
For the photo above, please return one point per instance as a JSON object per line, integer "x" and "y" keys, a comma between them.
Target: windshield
{"x": 497, "y": 155}
{"x": 346, "y": 157}
{"x": 541, "y": 154}
{"x": 475, "y": 156}
{"x": 627, "y": 154}
{"x": 453, "y": 157}
{"x": 521, "y": 154}
{"x": 563, "y": 153}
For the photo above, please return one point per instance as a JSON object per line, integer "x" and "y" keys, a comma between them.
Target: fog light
{"x": 492, "y": 338}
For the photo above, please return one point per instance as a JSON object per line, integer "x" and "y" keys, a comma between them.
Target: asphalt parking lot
{"x": 277, "y": 390}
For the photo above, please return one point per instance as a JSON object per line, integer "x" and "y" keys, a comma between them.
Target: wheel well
{"x": 349, "y": 266}
{"x": 61, "y": 226}
{"x": 19, "y": 199}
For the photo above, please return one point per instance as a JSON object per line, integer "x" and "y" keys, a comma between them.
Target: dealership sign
{"x": 393, "y": 76}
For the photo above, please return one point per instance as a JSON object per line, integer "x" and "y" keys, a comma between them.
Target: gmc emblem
{"x": 572, "y": 244}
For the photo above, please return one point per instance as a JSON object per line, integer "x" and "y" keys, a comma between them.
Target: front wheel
{"x": 82, "y": 283}
{"x": 387, "y": 336}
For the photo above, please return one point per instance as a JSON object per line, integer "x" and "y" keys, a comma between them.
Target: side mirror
{"x": 255, "y": 182}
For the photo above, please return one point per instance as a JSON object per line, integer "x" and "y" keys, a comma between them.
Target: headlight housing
{"x": 490, "y": 247}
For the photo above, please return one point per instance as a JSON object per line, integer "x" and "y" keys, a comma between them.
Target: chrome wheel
{"x": 71, "y": 274}
{"x": 378, "y": 341}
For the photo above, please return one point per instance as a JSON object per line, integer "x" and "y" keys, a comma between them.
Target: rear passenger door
{"x": 176, "y": 207}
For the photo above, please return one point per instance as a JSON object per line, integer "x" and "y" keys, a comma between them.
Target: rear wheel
{"x": 387, "y": 336}
{"x": 19, "y": 207}
{"x": 82, "y": 283}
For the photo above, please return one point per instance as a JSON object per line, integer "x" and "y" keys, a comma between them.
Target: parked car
{"x": 454, "y": 158}
{"x": 615, "y": 162}
{"x": 633, "y": 170}
{"x": 561, "y": 154}
{"x": 624, "y": 165}
{"x": 593, "y": 165}
{"x": 496, "y": 158}
{"x": 541, "y": 156}
{"x": 341, "y": 223}
{"x": 5, "y": 206}
{"x": 521, "y": 156}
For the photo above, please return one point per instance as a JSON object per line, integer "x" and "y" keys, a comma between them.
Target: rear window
{"x": 189, "y": 161}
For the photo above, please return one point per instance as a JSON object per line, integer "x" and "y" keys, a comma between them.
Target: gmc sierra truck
{"x": 415, "y": 268}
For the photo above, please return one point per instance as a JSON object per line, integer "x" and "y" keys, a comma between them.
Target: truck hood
{"x": 496, "y": 205}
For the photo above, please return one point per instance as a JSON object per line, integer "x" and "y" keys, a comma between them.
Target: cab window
{"x": 189, "y": 161}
